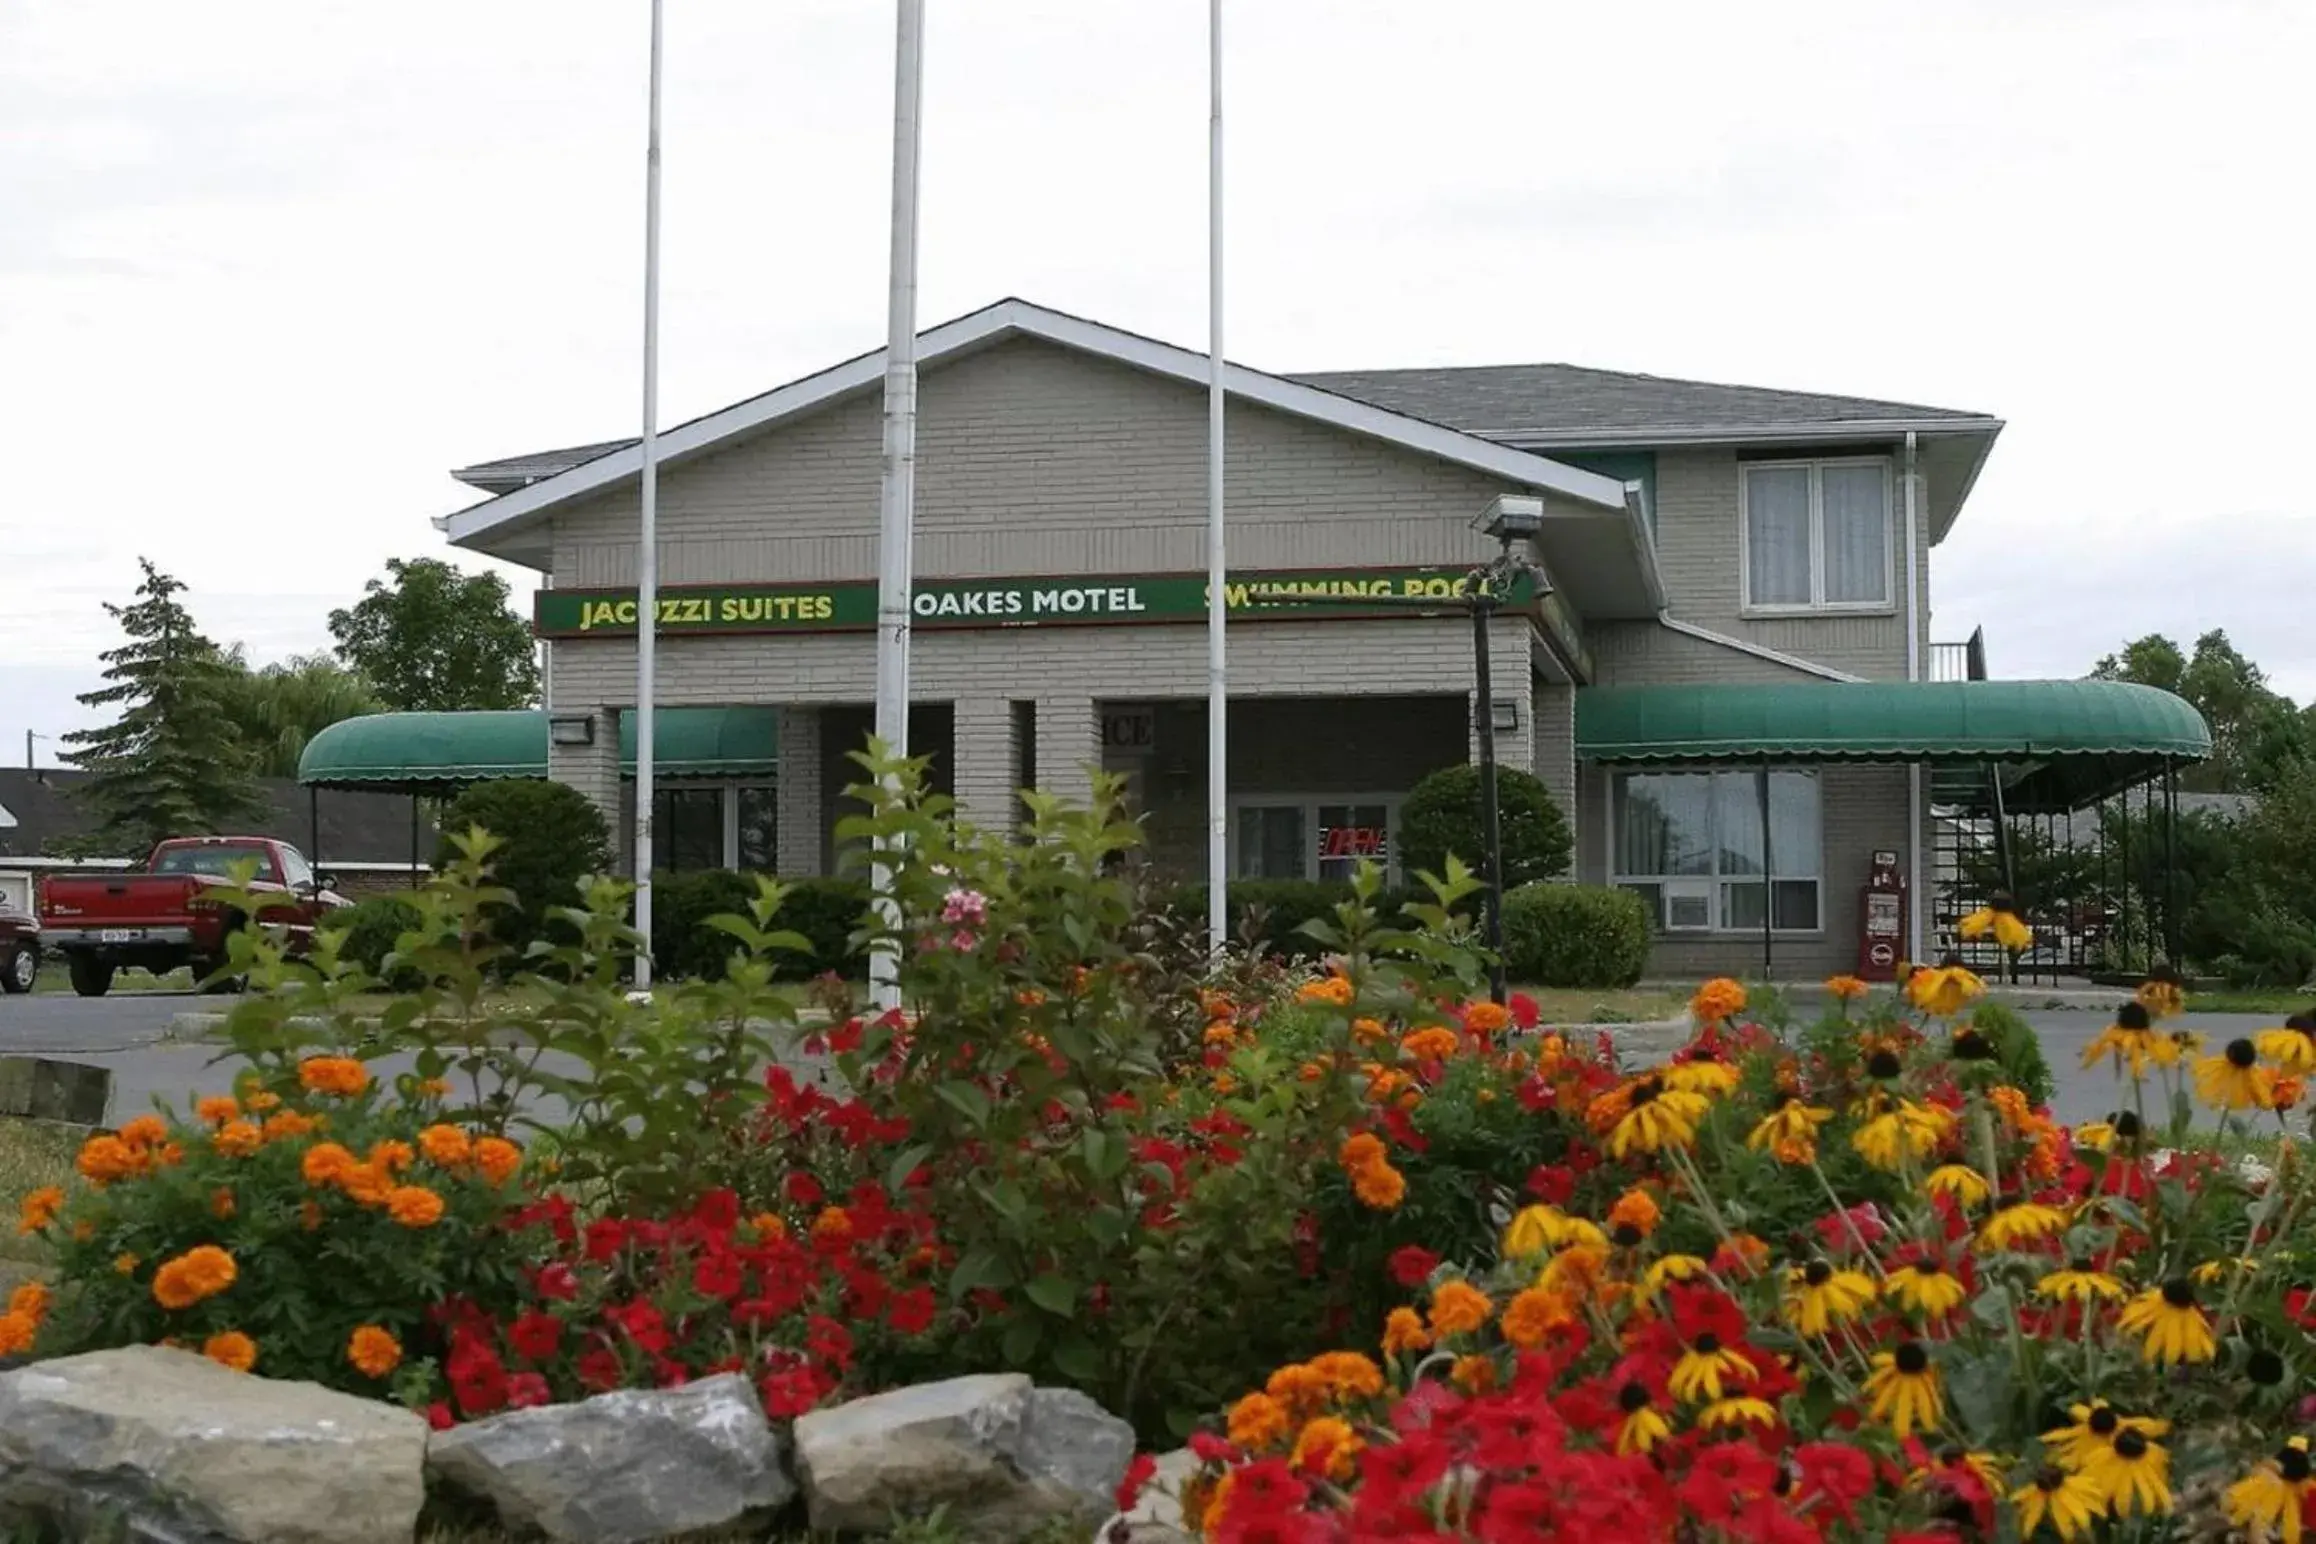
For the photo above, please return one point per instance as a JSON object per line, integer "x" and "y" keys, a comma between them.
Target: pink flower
{"x": 970, "y": 907}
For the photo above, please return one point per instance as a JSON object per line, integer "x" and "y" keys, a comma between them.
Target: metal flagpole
{"x": 647, "y": 546}
{"x": 1217, "y": 677}
{"x": 897, "y": 522}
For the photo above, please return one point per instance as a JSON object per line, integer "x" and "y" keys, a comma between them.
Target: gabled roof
{"x": 521, "y": 471}
{"x": 496, "y": 518}
{"x": 1569, "y": 406}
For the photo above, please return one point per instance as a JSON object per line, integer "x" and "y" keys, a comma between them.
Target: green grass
{"x": 1575, "y": 1005}
{"x": 53, "y": 979}
{"x": 32, "y": 1154}
{"x": 2275, "y": 1000}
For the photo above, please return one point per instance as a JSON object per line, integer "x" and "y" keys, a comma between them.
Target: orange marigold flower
{"x": 1256, "y": 1422}
{"x": 145, "y": 1131}
{"x": 341, "y": 1075}
{"x": 83, "y": 1231}
{"x": 39, "y": 1208}
{"x": 217, "y": 1109}
{"x": 1473, "y": 1374}
{"x": 283, "y": 1124}
{"x": 2288, "y": 1092}
{"x": 104, "y": 1159}
{"x": 1403, "y": 1331}
{"x": 1298, "y": 1388}
{"x": 1742, "y": 1252}
{"x": 231, "y": 1349}
{"x": 200, "y": 1272}
{"x": 221, "y": 1202}
{"x": 446, "y": 1147}
{"x": 1718, "y": 999}
{"x": 498, "y": 1158}
{"x": 832, "y": 1224}
{"x": 1458, "y": 1308}
{"x": 30, "y": 1300}
{"x": 414, "y": 1206}
{"x": 1348, "y": 1374}
{"x": 1220, "y": 1032}
{"x": 1846, "y": 988}
{"x": 1368, "y": 1031}
{"x": 1327, "y": 1446}
{"x": 1435, "y": 1043}
{"x": 1532, "y": 1315}
{"x": 1333, "y": 991}
{"x": 1379, "y": 1186}
{"x": 373, "y": 1351}
{"x": 237, "y": 1139}
{"x": 393, "y": 1157}
{"x": 325, "y": 1162}
{"x": 366, "y": 1184}
{"x": 17, "y": 1334}
{"x": 260, "y": 1101}
{"x": 769, "y": 1226}
{"x": 1359, "y": 1150}
{"x": 168, "y": 1155}
{"x": 1635, "y": 1209}
{"x": 126, "y": 1264}
{"x": 1487, "y": 1018}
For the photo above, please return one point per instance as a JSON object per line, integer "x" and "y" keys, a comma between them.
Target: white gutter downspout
{"x": 1914, "y": 878}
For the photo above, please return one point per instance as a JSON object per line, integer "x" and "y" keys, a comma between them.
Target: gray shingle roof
{"x": 1559, "y": 404}
{"x": 521, "y": 471}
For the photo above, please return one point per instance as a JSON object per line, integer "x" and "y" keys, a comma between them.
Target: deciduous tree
{"x": 428, "y": 637}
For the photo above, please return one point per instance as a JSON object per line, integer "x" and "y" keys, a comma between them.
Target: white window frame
{"x": 1720, "y": 927}
{"x": 727, "y": 810}
{"x": 1310, "y": 803}
{"x": 1817, "y": 604}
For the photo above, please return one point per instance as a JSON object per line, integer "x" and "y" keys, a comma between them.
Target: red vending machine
{"x": 1881, "y": 919}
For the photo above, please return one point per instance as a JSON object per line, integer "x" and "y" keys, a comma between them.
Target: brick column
{"x": 1555, "y": 748}
{"x": 799, "y": 823}
{"x": 593, "y": 769}
{"x": 1511, "y": 680}
{"x": 1069, "y": 745}
{"x": 987, "y": 763}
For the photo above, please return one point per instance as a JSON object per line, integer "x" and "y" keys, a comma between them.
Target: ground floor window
{"x": 1319, "y": 837}
{"x": 713, "y": 825}
{"x": 1692, "y": 844}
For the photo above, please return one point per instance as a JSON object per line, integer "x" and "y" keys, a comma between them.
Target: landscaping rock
{"x": 167, "y": 1447}
{"x": 999, "y": 1457}
{"x": 621, "y": 1468}
{"x": 1157, "y": 1514}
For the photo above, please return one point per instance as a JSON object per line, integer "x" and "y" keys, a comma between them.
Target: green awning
{"x": 2058, "y": 740}
{"x": 410, "y": 750}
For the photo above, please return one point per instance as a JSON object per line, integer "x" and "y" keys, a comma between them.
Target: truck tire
{"x": 91, "y": 977}
{"x": 19, "y": 969}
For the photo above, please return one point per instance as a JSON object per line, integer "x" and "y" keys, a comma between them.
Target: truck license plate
{"x": 116, "y": 935}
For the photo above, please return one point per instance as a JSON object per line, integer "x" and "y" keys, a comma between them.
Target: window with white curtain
{"x": 1690, "y": 844}
{"x": 1817, "y": 535}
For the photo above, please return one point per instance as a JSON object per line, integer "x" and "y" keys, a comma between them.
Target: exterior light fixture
{"x": 1507, "y": 711}
{"x": 572, "y": 729}
{"x": 1511, "y": 517}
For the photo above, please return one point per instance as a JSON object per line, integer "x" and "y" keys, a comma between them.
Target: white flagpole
{"x": 647, "y": 547}
{"x": 1217, "y": 680}
{"x": 897, "y": 516}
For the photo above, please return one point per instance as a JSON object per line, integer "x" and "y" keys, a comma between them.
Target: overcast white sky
{"x": 268, "y": 268}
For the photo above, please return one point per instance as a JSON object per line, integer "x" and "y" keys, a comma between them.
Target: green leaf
{"x": 967, "y": 1101}
{"x": 906, "y": 1164}
{"x": 1077, "y": 1358}
{"x": 1055, "y": 1294}
{"x": 1021, "y": 1338}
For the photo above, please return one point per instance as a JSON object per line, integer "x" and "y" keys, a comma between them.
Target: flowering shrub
{"x": 304, "y": 1233}
{"x": 2015, "y": 1330}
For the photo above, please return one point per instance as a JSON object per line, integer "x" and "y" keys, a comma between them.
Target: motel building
{"x": 1724, "y": 673}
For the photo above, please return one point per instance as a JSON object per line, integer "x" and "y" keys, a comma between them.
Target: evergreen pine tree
{"x": 172, "y": 763}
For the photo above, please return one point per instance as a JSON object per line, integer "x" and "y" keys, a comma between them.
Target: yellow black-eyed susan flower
{"x": 1699, "y": 1376}
{"x": 2235, "y": 1080}
{"x": 2292, "y": 1048}
{"x": 1903, "y": 1391}
{"x": 2172, "y": 1326}
{"x": 1944, "y": 989}
{"x": 1998, "y": 917}
{"x": 2135, "y": 1471}
{"x": 1789, "y": 1131}
{"x": 1955, "y": 1459}
{"x": 1656, "y": 1117}
{"x": 1925, "y": 1287}
{"x": 2020, "y": 1224}
{"x": 1673, "y": 1267}
{"x": 2070, "y": 1503}
{"x": 1737, "y": 1410}
{"x": 1959, "y": 1182}
{"x": 1971, "y": 1044}
{"x": 1902, "y": 1131}
{"x": 2080, "y": 1281}
{"x": 2093, "y": 1136}
{"x": 1644, "y": 1425}
{"x": 1883, "y": 1064}
{"x": 1818, "y": 1297}
{"x": 2092, "y": 1427}
{"x": 1702, "y": 1075}
{"x": 2269, "y": 1500}
{"x": 2131, "y": 1040}
{"x": 2163, "y": 993}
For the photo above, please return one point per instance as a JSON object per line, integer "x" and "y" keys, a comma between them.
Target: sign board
{"x": 1355, "y": 842}
{"x": 1080, "y": 601}
{"x": 1133, "y": 731}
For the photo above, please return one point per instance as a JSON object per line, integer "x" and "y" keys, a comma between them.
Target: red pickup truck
{"x": 160, "y": 917}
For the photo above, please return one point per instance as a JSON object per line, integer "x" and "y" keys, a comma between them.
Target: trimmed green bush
{"x": 825, "y": 911}
{"x": 1442, "y": 816}
{"x": 551, "y": 837}
{"x": 372, "y": 926}
{"x": 1575, "y": 936}
{"x": 2017, "y": 1049}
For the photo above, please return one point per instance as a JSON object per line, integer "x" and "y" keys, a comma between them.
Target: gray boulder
{"x": 621, "y": 1468}
{"x": 167, "y": 1447}
{"x": 1000, "y": 1457}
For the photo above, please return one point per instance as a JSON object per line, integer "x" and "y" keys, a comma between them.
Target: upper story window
{"x": 1817, "y": 535}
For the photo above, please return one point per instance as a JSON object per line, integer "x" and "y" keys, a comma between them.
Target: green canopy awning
{"x": 2062, "y": 743}
{"x": 412, "y": 750}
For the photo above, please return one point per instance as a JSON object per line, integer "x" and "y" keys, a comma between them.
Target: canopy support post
{"x": 314, "y": 825}
{"x": 2171, "y": 860}
{"x": 414, "y": 841}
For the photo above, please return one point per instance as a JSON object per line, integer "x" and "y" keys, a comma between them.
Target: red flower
{"x": 439, "y": 1417}
{"x": 718, "y": 1275}
{"x": 828, "y": 1340}
{"x": 718, "y": 1211}
{"x": 1412, "y": 1265}
{"x": 1552, "y": 1183}
{"x": 1839, "y": 1473}
{"x": 534, "y": 1336}
{"x": 557, "y": 1283}
{"x": 1725, "y": 1475}
{"x": 1702, "y": 1310}
{"x": 606, "y": 1236}
{"x": 478, "y": 1379}
{"x": 643, "y": 1324}
{"x": 1393, "y": 1474}
{"x": 526, "y": 1389}
{"x": 600, "y": 1369}
{"x": 802, "y": 1189}
{"x": 1211, "y": 1448}
{"x": 911, "y": 1312}
{"x": 790, "y": 1391}
{"x": 1525, "y": 1012}
{"x": 1138, "y": 1474}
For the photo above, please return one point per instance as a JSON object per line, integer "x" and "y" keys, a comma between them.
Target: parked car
{"x": 19, "y": 951}
{"x": 163, "y": 916}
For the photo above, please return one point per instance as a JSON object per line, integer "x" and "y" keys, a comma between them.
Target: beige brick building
{"x": 1694, "y": 536}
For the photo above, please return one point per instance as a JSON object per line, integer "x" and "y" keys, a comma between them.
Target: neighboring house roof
{"x": 356, "y": 827}
{"x": 490, "y": 522}
{"x": 1574, "y": 407}
{"x": 7, "y": 821}
{"x": 521, "y": 471}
